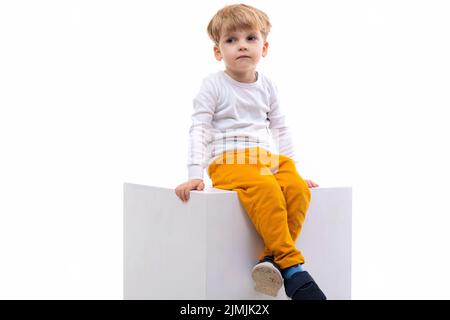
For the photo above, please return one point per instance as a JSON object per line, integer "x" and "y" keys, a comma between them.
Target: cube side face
{"x": 326, "y": 241}
{"x": 164, "y": 244}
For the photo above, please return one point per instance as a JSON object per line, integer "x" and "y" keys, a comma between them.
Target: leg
{"x": 297, "y": 196}
{"x": 296, "y": 193}
{"x": 298, "y": 283}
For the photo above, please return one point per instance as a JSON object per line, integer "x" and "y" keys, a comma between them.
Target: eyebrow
{"x": 250, "y": 33}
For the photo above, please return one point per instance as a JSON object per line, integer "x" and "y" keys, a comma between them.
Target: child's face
{"x": 241, "y": 50}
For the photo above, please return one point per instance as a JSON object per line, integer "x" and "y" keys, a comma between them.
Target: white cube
{"x": 206, "y": 248}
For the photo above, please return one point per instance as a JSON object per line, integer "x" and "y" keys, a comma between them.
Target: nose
{"x": 242, "y": 46}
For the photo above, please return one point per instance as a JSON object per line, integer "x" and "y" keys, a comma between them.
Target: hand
{"x": 183, "y": 189}
{"x": 311, "y": 184}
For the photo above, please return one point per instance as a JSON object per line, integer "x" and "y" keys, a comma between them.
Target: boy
{"x": 236, "y": 119}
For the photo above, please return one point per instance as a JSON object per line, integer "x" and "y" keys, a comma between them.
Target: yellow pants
{"x": 274, "y": 195}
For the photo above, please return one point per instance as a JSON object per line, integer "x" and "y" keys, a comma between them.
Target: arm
{"x": 280, "y": 131}
{"x": 199, "y": 135}
{"x": 200, "y": 130}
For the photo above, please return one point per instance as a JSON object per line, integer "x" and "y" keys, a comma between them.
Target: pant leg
{"x": 263, "y": 199}
{"x": 297, "y": 196}
{"x": 296, "y": 193}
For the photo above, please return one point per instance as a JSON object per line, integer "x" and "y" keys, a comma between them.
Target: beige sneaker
{"x": 267, "y": 277}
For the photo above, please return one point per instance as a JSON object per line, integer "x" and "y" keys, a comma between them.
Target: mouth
{"x": 243, "y": 57}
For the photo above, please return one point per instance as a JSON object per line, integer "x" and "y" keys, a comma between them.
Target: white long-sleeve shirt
{"x": 232, "y": 115}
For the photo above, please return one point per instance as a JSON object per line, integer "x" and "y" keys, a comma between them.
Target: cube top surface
{"x": 210, "y": 190}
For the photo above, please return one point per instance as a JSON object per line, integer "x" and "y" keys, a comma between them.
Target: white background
{"x": 97, "y": 93}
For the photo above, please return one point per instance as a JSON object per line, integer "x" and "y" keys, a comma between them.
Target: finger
{"x": 186, "y": 194}
{"x": 177, "y": 192}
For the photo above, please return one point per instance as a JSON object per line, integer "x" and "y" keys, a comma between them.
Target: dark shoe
{"x": 301, "y": 286}
{"x": 267, "y": 277}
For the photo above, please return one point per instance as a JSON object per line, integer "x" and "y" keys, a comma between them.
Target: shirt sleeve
{"x": 200, "y": 130}
{"x": 281, "y": 133}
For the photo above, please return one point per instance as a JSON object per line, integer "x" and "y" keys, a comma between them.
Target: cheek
{"x": 226, "y": 55}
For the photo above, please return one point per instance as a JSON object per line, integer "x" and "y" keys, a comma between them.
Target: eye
{"x": 251, "y": 38}
{"x": 229, "y": 40}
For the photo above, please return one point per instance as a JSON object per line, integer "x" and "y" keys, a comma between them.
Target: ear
{"x": 265, "y": 48}
{"x": 217, "y": 53}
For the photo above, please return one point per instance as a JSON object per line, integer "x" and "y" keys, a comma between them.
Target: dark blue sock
{"x": 289, "y": 272}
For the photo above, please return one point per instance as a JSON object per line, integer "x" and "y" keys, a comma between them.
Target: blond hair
{"x": 238, "y": 17}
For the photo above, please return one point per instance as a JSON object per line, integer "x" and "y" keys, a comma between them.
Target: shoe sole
{"x": 268, "y": 279}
